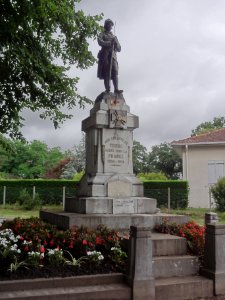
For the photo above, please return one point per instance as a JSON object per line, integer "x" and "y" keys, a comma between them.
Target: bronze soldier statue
{"x": 107, "y": 59}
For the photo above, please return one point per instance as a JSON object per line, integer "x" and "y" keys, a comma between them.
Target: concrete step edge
{"x": 174, "y": 257}
{"x": 166, "y": 244}
{"x": 28, "y": 294}
{"x": 55, "y": 282}
{"x": 164, "y": 267}
{"x": 180, "y": 280}
{"x": 186, "y": 287}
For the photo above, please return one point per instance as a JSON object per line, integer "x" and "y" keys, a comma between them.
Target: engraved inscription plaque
{"x": 116, "y": 153}
{"x": 125, "y": 206}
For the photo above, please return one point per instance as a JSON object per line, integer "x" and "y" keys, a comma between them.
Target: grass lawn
{"x": 15, "y": 211}
{"x": 196, "y": 214}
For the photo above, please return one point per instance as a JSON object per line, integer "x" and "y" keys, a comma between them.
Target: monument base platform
{"x": 111, "y": 205}
{"x": 66, "y": 220}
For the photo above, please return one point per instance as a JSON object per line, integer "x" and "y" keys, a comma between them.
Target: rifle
{"x": 111, "y": 57}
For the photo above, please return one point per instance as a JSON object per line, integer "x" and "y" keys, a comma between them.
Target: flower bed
{"x": 194, "y": 234}
{"x": 30, "y": 248}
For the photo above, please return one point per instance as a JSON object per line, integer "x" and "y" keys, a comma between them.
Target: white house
{"x": 203, "y": 159}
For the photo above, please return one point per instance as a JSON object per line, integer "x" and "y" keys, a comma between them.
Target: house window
{"x": 215, "y": 170}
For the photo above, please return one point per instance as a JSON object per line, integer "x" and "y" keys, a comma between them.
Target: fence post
{"x": 4, "y": 195}
{"x": 169, "y": 198}
{"x": 34, "y": 192}
{"x": 214, "y": 257}
{"x": 64, "y": 197}
{"x": 140, "y": 271}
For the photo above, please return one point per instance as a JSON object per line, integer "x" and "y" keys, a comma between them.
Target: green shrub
{"x": 78, "y": 176}
{"x": 26, "y": 201}
{"x": 218, "y": 192}
{"x": 24, "y": 196}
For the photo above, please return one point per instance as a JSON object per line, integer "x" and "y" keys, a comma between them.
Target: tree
{"x": 163, "y": 158}
{"x": 76, "y": 163}
{"x": 140, "y": 158}
{"x": 30, "y": 160}
{"x": 217, "y": 123}
{"x": 39, "y": 41}
{"x": 56, "y": 171}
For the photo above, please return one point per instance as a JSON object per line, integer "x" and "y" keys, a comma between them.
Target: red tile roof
{"x": 215, "y": 136}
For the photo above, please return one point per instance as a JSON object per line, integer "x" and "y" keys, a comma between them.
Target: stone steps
{"x": 183, "y": 288}
{"x": 175, "y": 272}
{"x": 170, "y": 257}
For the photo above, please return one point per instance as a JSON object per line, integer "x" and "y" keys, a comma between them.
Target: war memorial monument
{"x": 109, "y": 193}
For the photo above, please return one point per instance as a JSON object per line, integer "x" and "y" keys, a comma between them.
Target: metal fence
{"x": 167, "y": 197}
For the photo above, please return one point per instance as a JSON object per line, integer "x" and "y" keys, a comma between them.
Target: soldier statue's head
{"x": 108, "y": 24}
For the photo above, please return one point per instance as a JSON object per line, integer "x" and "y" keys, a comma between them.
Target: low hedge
{"x": 159, "y": 190}
{"x": 51, "y": 191}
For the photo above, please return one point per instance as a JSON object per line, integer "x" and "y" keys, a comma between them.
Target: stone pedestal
{"x": 214, "y": 258}
{"x": 140, "y": 274}
{"x": 109, "y": 185}
{"x": 109, "y": 193}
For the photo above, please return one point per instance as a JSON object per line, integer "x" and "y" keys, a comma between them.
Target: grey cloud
{"x": 172, "y": 69}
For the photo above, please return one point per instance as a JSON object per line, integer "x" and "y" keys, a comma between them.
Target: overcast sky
{"x": 171, "y": 68}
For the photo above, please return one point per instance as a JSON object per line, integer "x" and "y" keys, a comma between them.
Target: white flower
{"x": 32, "y": 253}
{"x": 95, "y": 253}
{"x": 54, "y": 251}
{"x": 51, "y": 251}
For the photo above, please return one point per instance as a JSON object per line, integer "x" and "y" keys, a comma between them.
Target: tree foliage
{"x": 218, "y": 192}
{"x": 217, "y": 123}
{"x": 163, "y": 158}
{"x": 76, "y": 163}
{"x": 140, "y": 158}
{"x": 30, "y": 160}
{"x": 56, "y": 171}
{"x": 39, "y": 41}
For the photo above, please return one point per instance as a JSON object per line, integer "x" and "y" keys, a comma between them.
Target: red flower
{"x": 99, "y": 241}
{"x": 51, "y": 243}
{"x": 84, "y": 242}
{"x": 71, "y": 245}
{"x": 90, "y": 244}
{"x": 26, "y": 248}
{"x": 21, "y": 238}
{"x": 45, "y": 243}
{"x": 42, "y": 249}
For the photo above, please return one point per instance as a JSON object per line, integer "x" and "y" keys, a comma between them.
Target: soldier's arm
{"x": 104, "y": 43}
